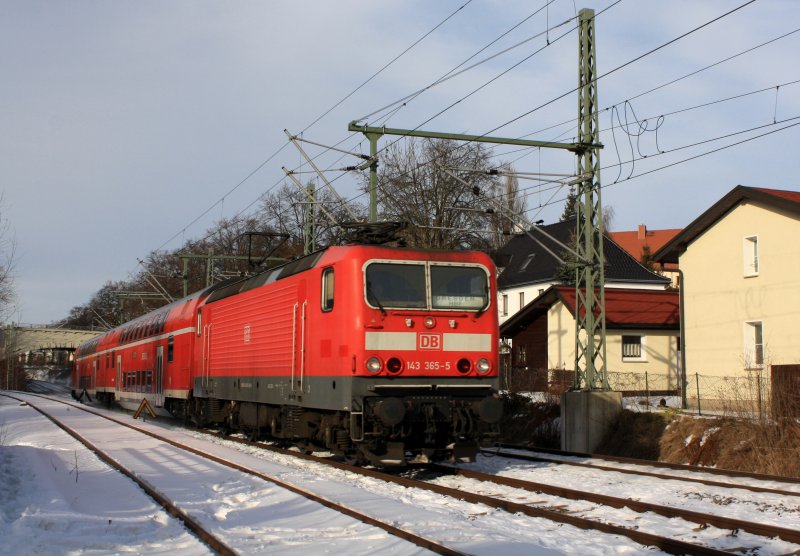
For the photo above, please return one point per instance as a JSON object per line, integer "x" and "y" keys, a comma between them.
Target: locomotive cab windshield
{"x": 425, "y": 285}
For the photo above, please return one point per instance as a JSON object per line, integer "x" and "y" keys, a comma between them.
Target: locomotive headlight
{"x": 394, "y": 365}
{"x": 374, "y": 365}
{"x": 430, "y": 322}
{"x": 483, "y": 366}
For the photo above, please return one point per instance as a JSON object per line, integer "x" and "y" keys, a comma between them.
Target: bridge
{"x": 18, "y": 339}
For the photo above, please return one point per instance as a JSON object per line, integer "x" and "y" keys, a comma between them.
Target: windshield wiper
{"x": 372, "y": 297}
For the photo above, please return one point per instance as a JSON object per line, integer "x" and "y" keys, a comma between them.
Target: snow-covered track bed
{"x": 447, "y": 481}
{"x": 213, "y": 542}
{"x": 752, "y": 514}
{"x": 760, "y": 535}
{"x": 710, "y": 476}
{"x": 159, "y": 465}
{"x": 462, "y": 514}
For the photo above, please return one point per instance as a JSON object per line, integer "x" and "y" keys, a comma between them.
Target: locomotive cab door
{"x": 298, "y": 348}
{"x": 159, "y": 378}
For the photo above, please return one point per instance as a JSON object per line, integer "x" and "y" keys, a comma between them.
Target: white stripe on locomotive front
{"x": 407, "y": 341}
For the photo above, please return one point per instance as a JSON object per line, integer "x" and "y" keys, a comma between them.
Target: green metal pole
{"x": 309, "y": 225}
{"x": 373, "y": 176}
{"x": 185, "y": 277}
{"x": 590, "y": 318}
{"x": 697, "y": 385}
{"x": 209, "y": 265}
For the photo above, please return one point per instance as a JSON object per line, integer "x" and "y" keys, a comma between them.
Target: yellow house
{"x": 740, "y": 264}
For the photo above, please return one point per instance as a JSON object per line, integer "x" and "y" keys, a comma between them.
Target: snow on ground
{"x": 58, "y": 498}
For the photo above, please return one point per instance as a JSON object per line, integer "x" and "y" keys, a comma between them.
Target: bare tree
{"x": 287, "y": 209}
{"x": 226, "y": 251}
{"x": 8, "y": 247}
{"x": 506, "y": 215}
{"x": 417, "y": 185}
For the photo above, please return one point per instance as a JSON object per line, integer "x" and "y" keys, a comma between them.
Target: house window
{"x": 521, "y": 300}
{"x": 505, "y": 305}
{"x": 750, "y": 256}
{"x": 522, "y": 355}
{"x": 754, "y": 345}
{"x": 632, "y": 347}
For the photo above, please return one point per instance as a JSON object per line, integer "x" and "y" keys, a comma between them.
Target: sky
{"x": 57, "y": 497}
{"x": 133, "y": 126}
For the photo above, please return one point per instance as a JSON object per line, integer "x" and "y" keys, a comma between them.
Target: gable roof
{"x": 635, "y": 242}
{"x": 625, "y": 309}
{"x": 529, "y": 261}
{"x": 787, "y": 201}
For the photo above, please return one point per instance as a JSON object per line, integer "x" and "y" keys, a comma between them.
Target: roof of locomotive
{"x": 273, "y": 274}
{"x": 234, "y": 286}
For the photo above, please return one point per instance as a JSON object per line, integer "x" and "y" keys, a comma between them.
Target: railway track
{"x": 556, "y": 512}
{"x": 214, "y": 541}
{"x": 693, "y": 474}
{"x": 703, "y": 519}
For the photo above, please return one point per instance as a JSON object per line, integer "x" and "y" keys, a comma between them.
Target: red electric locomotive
{"x": 375, "y": 352}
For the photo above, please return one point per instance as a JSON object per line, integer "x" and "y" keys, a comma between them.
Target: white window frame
{"x": 328, "y": 289}
{"x": 750, "y": 262}
{"x": 504, "y": 306}
{"x": 753, "y": 351}
{"x": 642, "y": 345}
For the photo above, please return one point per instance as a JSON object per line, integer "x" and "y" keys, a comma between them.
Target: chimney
{"x": 642, "y": 232}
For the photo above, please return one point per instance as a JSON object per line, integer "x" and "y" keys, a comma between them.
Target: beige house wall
{"x": 724, "y": 296}
{"x": 659, "y": 349}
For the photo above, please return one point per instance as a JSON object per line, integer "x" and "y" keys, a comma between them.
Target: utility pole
{"x": 590, "y": 407}
{"x": 310, "y": 220}
{"x": 590, "y": 318}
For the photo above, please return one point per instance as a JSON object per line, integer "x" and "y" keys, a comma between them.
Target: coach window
{"x": 327, "y": 289}
{"x": 170, "y": 348}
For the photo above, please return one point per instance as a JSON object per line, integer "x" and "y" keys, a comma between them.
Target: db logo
{"x": 430, "y": 341}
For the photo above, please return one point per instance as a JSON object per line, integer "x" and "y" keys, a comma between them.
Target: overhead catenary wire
{"x": 315, "y": 121}
{"x": 527, "y": 191}
{"x": 571, "y": 121}
{"x": 423, "y": 124}
{"x": 621, "y": 66}
{"x": 553, "y": 201}
{"x": 256, "y": 200}
{"x": 454, "y": 72}
{"x": 392, "y": 61}
{"x": 610, "y": 72}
